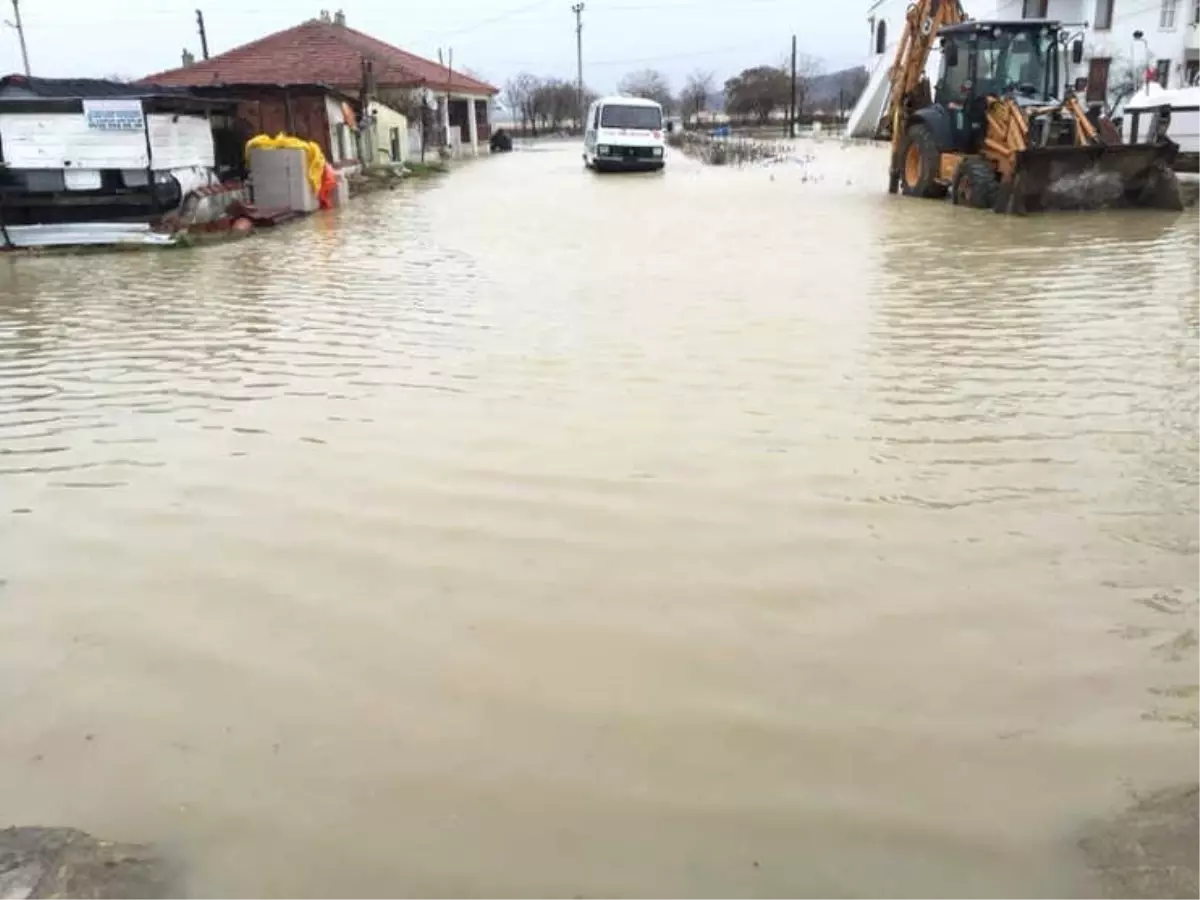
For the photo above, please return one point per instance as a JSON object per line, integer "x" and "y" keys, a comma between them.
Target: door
{"x": 593, "y": 123}
{"x": 1162, "y": 72}
{"x": 1097, "y": 86}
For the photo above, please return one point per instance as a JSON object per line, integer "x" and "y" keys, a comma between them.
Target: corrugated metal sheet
{"x": 64, "y": 140}
{"x": 21, "y": 87}
{"x": 80, "y": 234}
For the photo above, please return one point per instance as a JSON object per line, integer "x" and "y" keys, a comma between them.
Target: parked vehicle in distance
{"x": 624, "y": 134}
{"x": 1138, "y": 118}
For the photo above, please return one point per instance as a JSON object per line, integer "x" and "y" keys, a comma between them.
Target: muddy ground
{"x": 1151, "y": 849}
{"x": 65, "y": 862}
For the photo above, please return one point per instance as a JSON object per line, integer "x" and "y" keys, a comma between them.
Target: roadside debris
{"x": 65, "y": 862}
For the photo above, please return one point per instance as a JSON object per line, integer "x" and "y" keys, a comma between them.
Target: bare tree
{"x": 650, "y": 84}
{"x": 693, "y": 99}
{"x": 808, "y": 69}
{"x": 406, "y": 101}
{"x": 555, "y": 101}
{"x": 521, "y": 94}
{"x": 1125, "y": 81}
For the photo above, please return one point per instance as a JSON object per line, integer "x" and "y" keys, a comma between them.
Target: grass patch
{"x": 425, "y": 169}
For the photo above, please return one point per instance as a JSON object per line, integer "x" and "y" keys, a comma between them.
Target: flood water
{"x": 724, "y": 532}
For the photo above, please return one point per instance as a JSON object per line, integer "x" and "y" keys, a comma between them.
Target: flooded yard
{"x": 530, "y": 532}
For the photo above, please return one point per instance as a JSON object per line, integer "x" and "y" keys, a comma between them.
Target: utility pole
{"x": 792, "y": 109}
{"x": 203, "y": 33}
{"x": 20, "y": 35}
{"x": 578, "y": 10}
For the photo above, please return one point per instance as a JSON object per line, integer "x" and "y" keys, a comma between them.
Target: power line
{"x": 687, "y": 55}
{"x": 684, "y": 5}
{"x": 629, "y": 61}
{"x": 497, "y": 18}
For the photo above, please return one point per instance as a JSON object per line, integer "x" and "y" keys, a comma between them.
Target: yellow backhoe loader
{"x": 1000, "y": 131}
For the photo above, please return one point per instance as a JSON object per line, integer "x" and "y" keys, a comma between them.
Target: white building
{"x": 1125, "y": 41}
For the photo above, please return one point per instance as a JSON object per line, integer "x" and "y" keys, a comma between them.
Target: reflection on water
{"x": 727, "y": 532}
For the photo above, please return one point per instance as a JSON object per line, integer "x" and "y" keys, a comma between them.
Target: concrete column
{"x": 473, "y": 125}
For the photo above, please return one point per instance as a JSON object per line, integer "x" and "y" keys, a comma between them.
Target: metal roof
{"x": 975, "y": 26}
{"x": 20, "y": 87}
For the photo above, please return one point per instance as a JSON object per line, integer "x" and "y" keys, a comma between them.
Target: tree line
{"x": 754, "y": 93}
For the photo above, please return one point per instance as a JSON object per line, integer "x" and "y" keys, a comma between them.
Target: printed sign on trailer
{"x": 114, "y": 115}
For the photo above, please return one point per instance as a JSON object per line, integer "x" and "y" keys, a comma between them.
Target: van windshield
{"x": 644, "y": 117}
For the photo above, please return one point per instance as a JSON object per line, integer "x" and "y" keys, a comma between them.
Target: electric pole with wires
{"x": 16, "y": 23}
{"x": 792, "y": 111}
{"x": 578, "y": 10}
{"x": 203, "y": 33}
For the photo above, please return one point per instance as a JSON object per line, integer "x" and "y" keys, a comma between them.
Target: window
{"x": 954, "y": 78}
{"x": 1035, "y": 9}
{"x": 617, "y": 115}
{"x": 1196, "y": 12}
{"x": 1104, "y": 16}
{"x": 596, "y": 118}
{"x": 1097, "y": 82}
{"x": 881, "y": 37}
{"x": 343, "y": 152}
{"x": 1166, "y": 16}
{"x": 395, "y": 138}
{"x": 1191, "y": 72}
{"x": 1162, "y": 72}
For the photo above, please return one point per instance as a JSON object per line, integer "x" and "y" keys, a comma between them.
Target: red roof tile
{"x": 319, "y": 51}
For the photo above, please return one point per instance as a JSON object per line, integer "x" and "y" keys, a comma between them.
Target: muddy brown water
{"x": 725, "y": 532}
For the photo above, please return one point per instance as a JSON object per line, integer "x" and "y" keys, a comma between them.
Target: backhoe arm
{"x": 922, "y": 22}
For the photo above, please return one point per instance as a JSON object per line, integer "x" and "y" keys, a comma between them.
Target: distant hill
{"x": 823, "y": 92}
{"x": 846, "y": 85}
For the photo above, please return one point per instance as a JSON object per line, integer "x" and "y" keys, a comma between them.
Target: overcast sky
{"x": 496, "y": 38}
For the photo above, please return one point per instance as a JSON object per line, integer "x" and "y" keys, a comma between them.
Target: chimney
{"x": 339, "y": 18}
{"x": 324, "y": 15}
{"x": 188, "y": 58}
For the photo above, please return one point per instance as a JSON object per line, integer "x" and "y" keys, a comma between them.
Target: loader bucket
{"x": 1093, "y": 177}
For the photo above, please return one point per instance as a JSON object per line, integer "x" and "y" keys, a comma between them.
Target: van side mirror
{"x": 1077, "y": 51}
{"x": 951, "y": 54}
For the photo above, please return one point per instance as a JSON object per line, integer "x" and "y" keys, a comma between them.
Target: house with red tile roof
{"x": 326, "y": 51}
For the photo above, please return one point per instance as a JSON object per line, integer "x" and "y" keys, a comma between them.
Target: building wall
{"x": 341, "y": 138}
{"x": 1178, "y": 44}
{"x": 387, "y": 119}
{"x": 309, "y": 120}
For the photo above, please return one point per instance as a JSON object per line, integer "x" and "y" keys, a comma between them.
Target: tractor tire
{"x": 975, "y": 184}
{"x": 919, "y": 161}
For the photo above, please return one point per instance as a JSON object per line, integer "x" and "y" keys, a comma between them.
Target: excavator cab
{"x": 996, "y": 132}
